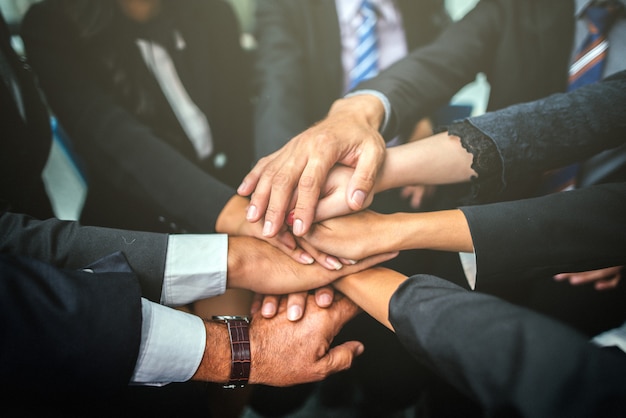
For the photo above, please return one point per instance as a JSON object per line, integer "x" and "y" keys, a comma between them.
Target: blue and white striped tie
{"x": 366, "y": 52}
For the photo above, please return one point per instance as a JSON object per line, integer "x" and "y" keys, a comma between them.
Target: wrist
{"x": 364, "y": 105}
{"x": 216, "y": 361}
{"x": 233, "y": 216}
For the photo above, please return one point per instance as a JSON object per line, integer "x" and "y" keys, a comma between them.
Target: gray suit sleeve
{"x": 67, "y": 244}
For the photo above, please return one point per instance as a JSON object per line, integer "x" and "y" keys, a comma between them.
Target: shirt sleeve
{"x": 172, "y": 345}
{"x": 195, "y": 268}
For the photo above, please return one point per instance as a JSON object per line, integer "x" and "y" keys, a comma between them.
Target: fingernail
{"x": 358, "y": 197}
{"x": 267, "y": 228}
{"x": 290, "y": 219}
{"x": 325, "y": 299}
{"x": 306, "y": 258}
{"x": 268, "y": 309}
{"x": 252, "y": 212}
{"x": 241, "y": 187}
{"x": 360, "y": 349}
{"x": 294, "y": 313}
{"x": 353, "y": 262}
{"x": 334, "y": 263}
{"x": 298, "y": 227}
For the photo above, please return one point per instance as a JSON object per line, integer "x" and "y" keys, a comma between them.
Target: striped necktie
{"x": 366, "y": 52}
{"x": 586, "y": 68}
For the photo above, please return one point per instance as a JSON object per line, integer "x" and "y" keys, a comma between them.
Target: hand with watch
{"x": 276, "y": 351}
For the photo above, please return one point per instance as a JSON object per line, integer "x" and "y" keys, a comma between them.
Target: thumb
{"x": 340, "y": 357}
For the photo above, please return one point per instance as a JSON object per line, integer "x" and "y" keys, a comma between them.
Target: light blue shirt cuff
{"x": 172, "y": 345}
{"x": 195, "y": 268}
{"x": 382, "y": 98}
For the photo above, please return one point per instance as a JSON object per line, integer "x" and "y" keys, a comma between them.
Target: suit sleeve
{"x": 66, "y": 332}
{"x": 428, "y": 77}
{"x": 579, "y": 230}
{"x": 513, "y": 361}
{"x": 114, "y": 142}
{"x": 560, "y": 129}
{"x": 69, "y": 245}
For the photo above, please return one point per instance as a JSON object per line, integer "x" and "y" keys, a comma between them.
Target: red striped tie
{"x": 587, "y": 68}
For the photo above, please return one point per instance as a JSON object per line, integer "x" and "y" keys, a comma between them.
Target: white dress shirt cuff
{"x": 468, "y": 261}
{"x": 195, "y": 268}
{"x": 172, "y": 345}
{"x": 384, "y": 100}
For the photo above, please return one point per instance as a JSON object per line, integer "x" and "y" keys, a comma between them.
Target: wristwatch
{"x": 239, "y": 347}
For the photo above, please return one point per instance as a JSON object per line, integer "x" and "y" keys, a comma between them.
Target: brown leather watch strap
{"x": 240, "y": 349}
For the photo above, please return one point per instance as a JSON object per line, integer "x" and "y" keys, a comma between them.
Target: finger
{"x": 341, "y": 356}
{"x": 327, "y": 261}
{"x": 362, "y": 181}
{"x": 309, "y": 187}
{"x": 296, "y": 304}
{"x": 589, "y": 276}
{"x": 607, "y": 284}
{"x": 257, "y": 301}
{"x": 332, "y": 206}
{"x": 249, "y": 182}
{"x": 297, "y": 253}
{"x": 269, "y": 306}
{"x": 368, "y": 262}
{"x": 417, "y": 198}
{"x": 282, "y": 186}
{"x": 324, "y": 296}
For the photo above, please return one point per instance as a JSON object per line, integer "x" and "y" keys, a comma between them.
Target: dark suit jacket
{"x": 522, "y": 47}
{"x": 62, "y": 331}
{"x": 513, "y": 361}
{"x": 68, "y": 337}
{"x": 25, "y": 145}
{"x": 140, "y": 175}
{"x": 299, "y": 69}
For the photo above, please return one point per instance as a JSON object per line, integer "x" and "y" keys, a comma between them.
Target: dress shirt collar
{"x": 581, "y": 5}
{"x": 348, "y": 10}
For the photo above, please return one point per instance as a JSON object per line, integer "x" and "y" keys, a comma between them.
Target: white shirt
{"x": 173, "y": 342}
{"x": 389, "y": 29}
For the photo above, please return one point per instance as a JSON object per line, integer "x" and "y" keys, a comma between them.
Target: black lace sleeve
{"x": 486, "y": 160}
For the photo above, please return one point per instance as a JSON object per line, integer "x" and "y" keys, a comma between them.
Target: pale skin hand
{"x": 439, "y": 159}
{"x": 365, "y": 233}
{"x": 602, "y": 279}
{"x": 348, "y": 136}
{"x": 273, "y": 343}
{"x": 255, "y": 265}
{"x": 232, "y": 221}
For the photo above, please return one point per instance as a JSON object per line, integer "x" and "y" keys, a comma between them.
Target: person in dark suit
{"x": 494, "y": 351}
{"x": 81, "y": 306}
{"x": 155, "y": 100}
{"x": 524, "y": 50}
{"x": 301, "y": 59}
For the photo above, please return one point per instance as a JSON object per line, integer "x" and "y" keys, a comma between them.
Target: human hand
{"x": 232, "y": 221}
{"x": 603, "y": 279}
{"x": 296, "y": 303}
{"x": 352, "y": 237}
{"x": 292, "y": 177}
{"x": 255, "y": 265}
{"x": 417, "y": 193}
{"x": 283, "y": 352}
{"x": 332, "y": 202}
